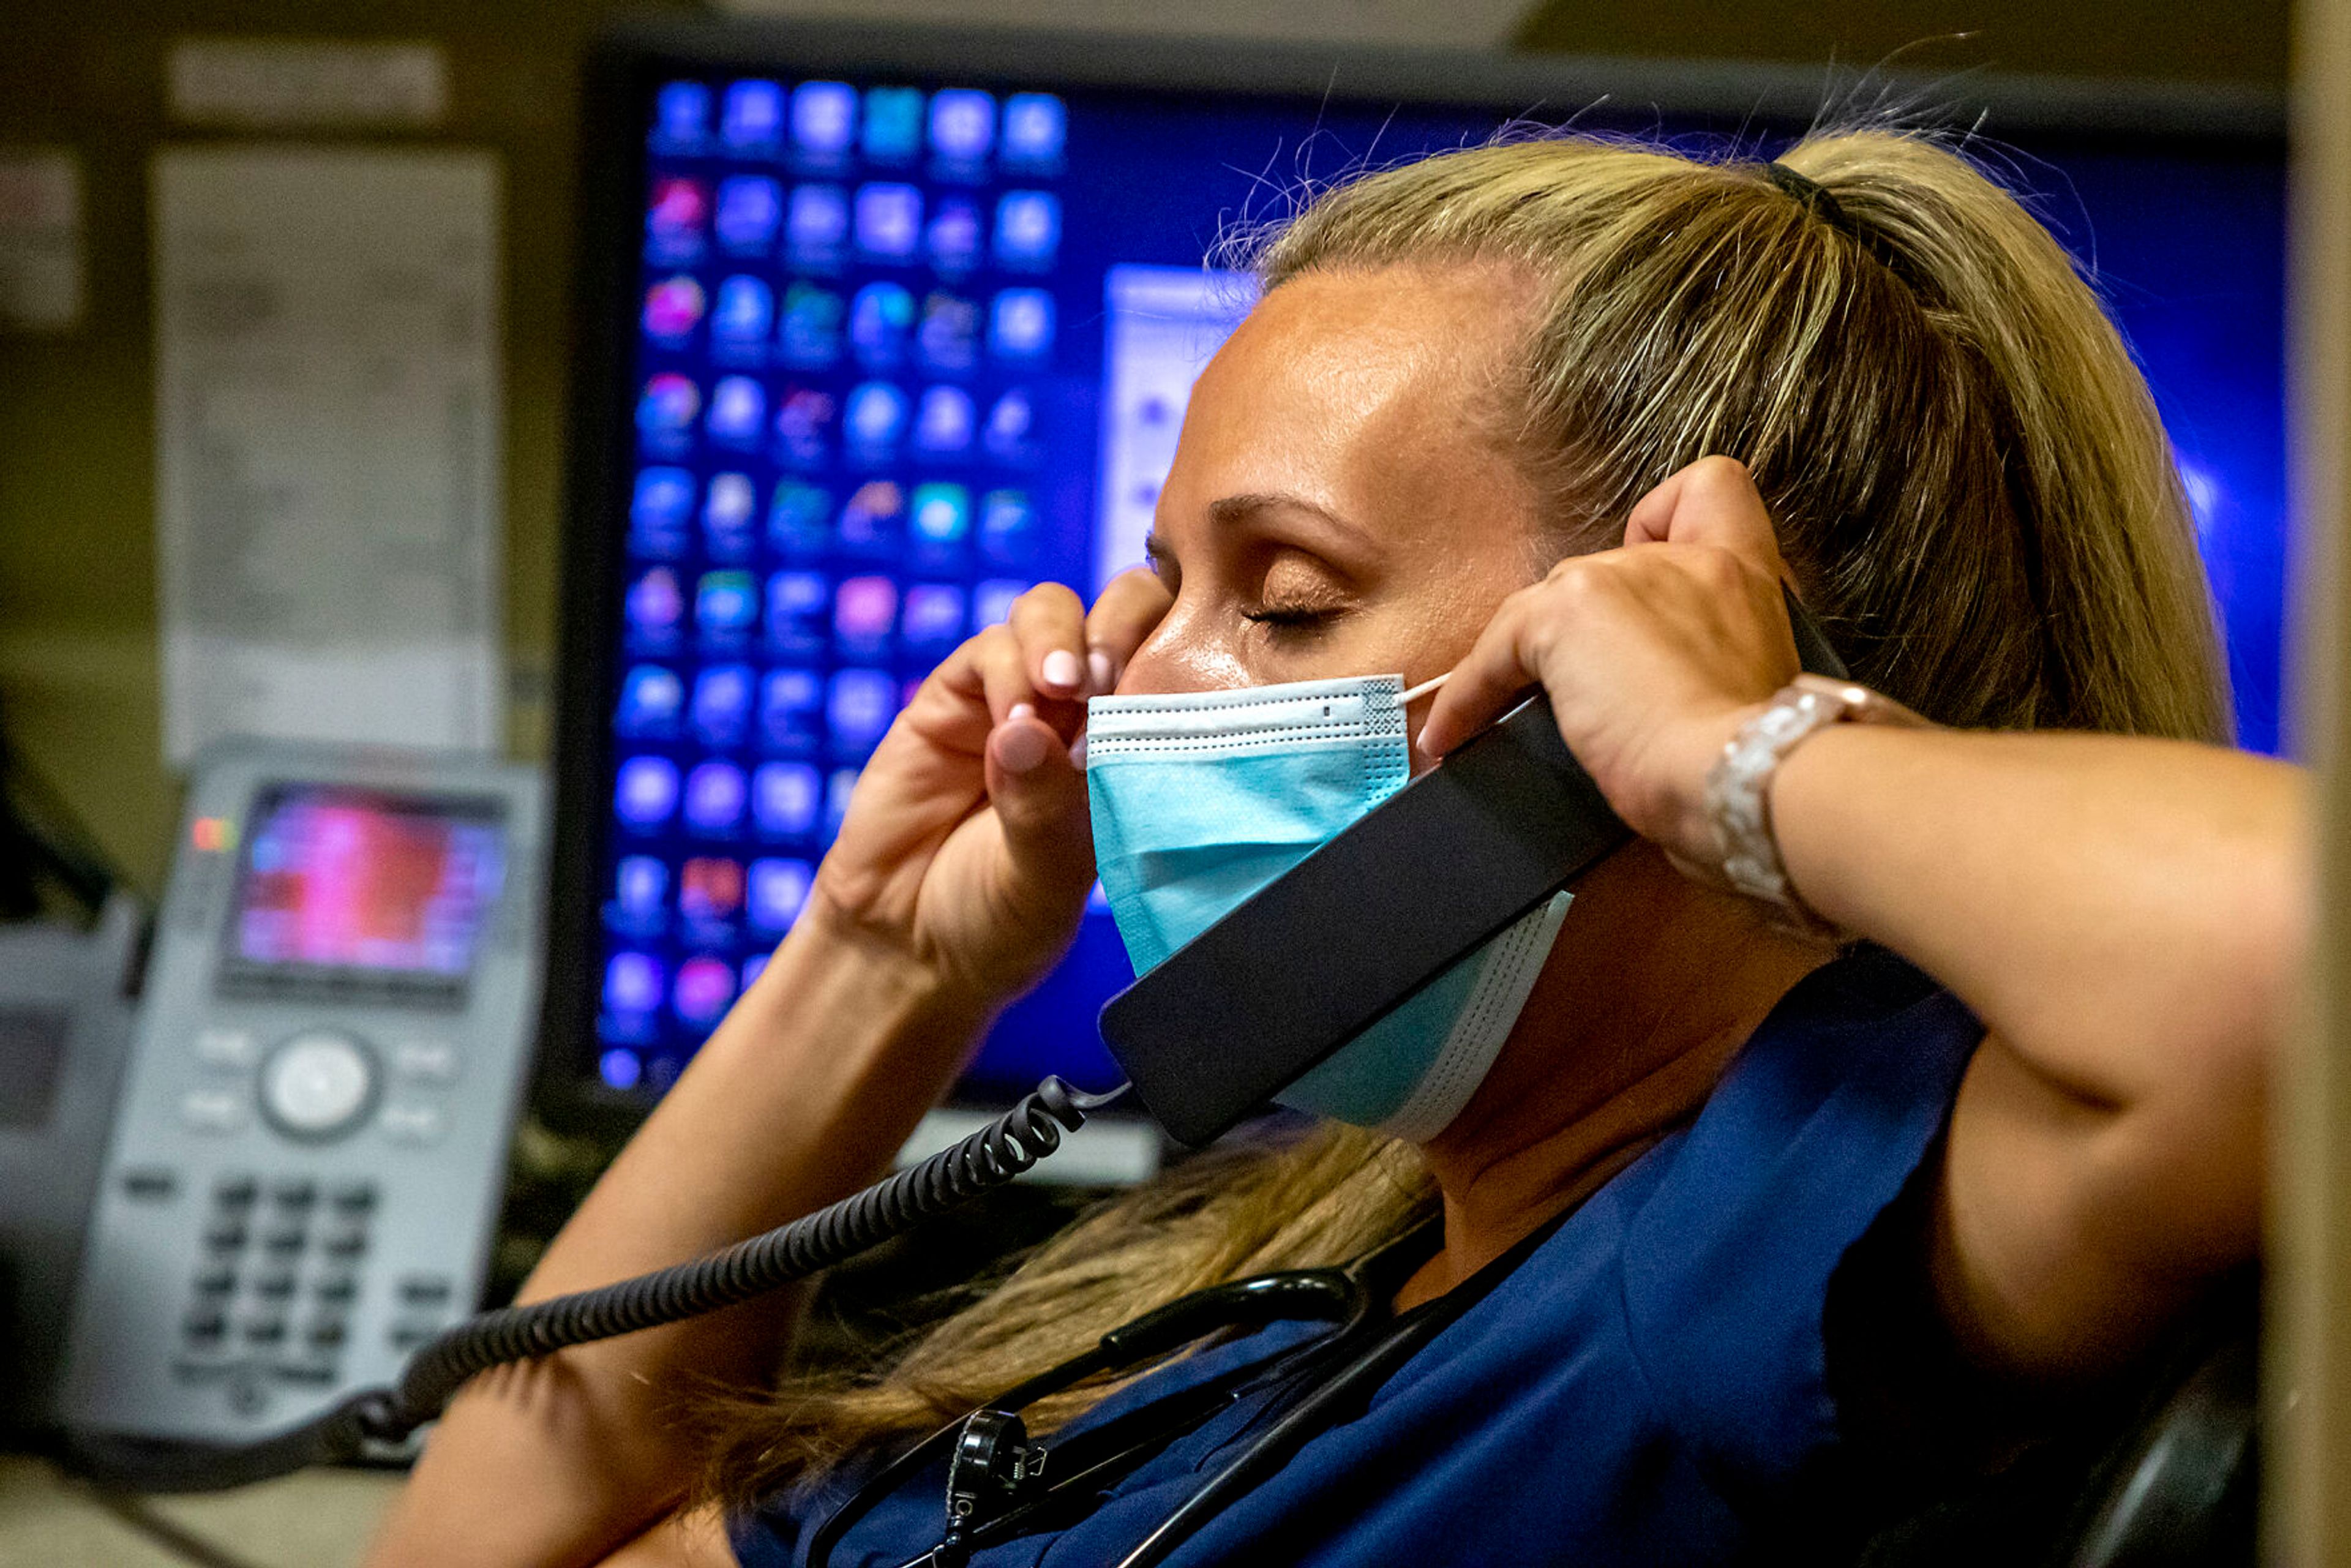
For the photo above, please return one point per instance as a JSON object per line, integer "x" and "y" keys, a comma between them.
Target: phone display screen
{"x": 897, "y": 346}
{"x": 342, "y": 890}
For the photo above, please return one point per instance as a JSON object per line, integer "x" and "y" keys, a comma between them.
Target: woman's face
{"x": 1341, "y": 501}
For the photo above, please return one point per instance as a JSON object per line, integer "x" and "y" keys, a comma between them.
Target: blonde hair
{"x": 1968, "y": 477}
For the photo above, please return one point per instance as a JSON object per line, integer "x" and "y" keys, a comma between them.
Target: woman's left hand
{"x": 1652, "y": 654}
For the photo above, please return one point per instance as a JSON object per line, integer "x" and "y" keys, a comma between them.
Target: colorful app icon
{"x": 709, "y": 887}
{"x": 800, "y": 518}
{"x": 751, "y": 119}
{"x": 840, "y": 789}
{"x": 1011, "y": 419}
{"x": 1028, "y": 230}
{"x": 1008, "y": 528}
{"x": 722, "y": 705}
{"x": 881, "y": 321}
{"x": 1021, "y": 326}
{"x": 725, "y": 605}
{"x": 949, "y": 336}
{"x": 681, "y": 116}
{"x": 728, "y": 533}
{"x": 640, "y": 890}
{"x": 644, "y": 792}
{"x": 672, "y": 310}
{"x": 753, "y": 967}
{"x": 668, "y": 404}
{"x": 1036, "y": 126}
{"x": 655, "y": 605}
{"x": 932, "y": 621}
{"x": 858, "y": 705}
{"x": 738, "y": 409}
{"x": 620, "y": 1066}
{"x": 633, "y": 983}
{"x": 651, "y": 698}
{"x": 875, "y": 519}
{"x": 785, "y": 799}
{"x": 863, "y": 609}
{"x": 714, "y": 796}
{"x": 824, "y": 120}
{"x": 750, "y": 210}
{"x": 952, "y": 239}
{"x": 991, "y": 601}
{"x": 792, "y": 710}
{"x": 804, "y": 421}
{"x": 873, "y": 420}
{"x": 743, "y": 312}
{"x": 675, "y": 215}
{"x": 816, "y": 224}
{"x": 888, "y": 221}
{"x": 943, "y": 421}
{"x": 704, "y": 987}
{"x": 779, "y": 890}
{"x": 941, "y": 514}
{"x": 893, "y": 124}
{"x": 659, "y": 505}
{"x": 962, "y": 124}
{"x": 797, "y": 602}
{"x": 812, "y": 322}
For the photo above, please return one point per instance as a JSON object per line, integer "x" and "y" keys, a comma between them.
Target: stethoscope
{"x": 1000, "y": 1483}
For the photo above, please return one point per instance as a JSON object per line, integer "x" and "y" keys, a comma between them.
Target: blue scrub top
{"x": 1649, "y": 1386}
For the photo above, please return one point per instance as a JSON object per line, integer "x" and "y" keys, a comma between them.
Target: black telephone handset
{"x": 1332, "y": 946}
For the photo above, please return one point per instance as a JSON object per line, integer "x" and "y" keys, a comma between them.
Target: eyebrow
{"x": 1235, "y": 509}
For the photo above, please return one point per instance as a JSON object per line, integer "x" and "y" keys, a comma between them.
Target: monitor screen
{"x": 889, "y": 346}
{"x": 340, "y": 889}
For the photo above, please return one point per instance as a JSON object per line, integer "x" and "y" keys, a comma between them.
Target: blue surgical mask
{"x": 1199, "y": 799}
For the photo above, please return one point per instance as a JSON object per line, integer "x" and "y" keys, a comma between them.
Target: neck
{"x": 1656, "y": 982}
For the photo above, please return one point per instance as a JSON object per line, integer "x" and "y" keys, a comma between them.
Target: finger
{"x": 1050, "y": 620}
{"x": 1040, "y": 796}
{"x": 1713, "y": 501}
{"x": 1127, "y": 613}
{"x": 1485, "y": 684}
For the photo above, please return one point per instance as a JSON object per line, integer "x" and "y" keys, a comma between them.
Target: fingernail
{"x": 1099, "y": 666}
{"x": 1021, "y": 710}
{"x": 1021, "y": 749}
{"x": 1062, "y": 669}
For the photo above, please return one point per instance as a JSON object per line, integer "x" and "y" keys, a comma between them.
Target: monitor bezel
{"x": 1766, "y": 101}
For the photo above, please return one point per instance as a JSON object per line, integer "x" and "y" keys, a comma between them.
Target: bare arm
{"x": 2127, "y": 917}
{"x": 799, "y": 1097}
{"x": 958, "y": 878}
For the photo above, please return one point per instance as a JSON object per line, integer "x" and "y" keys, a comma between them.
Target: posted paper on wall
{"x": 326, "y": 404}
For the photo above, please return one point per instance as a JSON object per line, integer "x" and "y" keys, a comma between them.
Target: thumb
{"x": 1040, "y": 796}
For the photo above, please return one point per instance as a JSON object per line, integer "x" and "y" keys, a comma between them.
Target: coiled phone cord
{"x": 986, "y": 1160}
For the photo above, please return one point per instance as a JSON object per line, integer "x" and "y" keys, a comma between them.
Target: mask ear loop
{"x": 1405, "y": 699}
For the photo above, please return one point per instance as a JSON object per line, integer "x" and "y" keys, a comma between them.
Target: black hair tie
{"x": 1815, "y": 199}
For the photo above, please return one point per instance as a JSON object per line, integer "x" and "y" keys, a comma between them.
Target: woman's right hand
{"x": 967, "y": 846}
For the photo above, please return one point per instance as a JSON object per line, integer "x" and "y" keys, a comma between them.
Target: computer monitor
{"x": 879, "y": 328}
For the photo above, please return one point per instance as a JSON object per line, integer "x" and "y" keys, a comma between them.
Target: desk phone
{"x": 310, "y": 1144}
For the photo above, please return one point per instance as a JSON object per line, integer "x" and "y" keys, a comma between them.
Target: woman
{"x": 1725, "y": 1209}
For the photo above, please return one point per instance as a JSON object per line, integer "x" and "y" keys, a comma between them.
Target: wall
{"x": 78, "y": 657}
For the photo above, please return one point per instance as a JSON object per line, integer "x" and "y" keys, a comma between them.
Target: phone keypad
{"x": 277, "y": 1276}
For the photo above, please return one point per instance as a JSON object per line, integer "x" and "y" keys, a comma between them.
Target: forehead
{"x": 1381, "y": 395}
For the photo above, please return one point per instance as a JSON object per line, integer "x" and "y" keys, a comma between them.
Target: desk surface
{"x": 320, "y": 1519}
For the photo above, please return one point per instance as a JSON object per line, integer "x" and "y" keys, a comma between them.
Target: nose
{"x": 1182, "y": 656}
